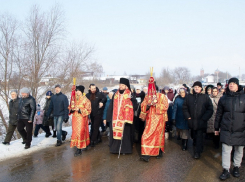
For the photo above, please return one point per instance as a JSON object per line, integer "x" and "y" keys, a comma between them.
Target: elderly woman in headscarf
{"x": 80, "y": 129}
{"x": 179, "y": 119}
{"x": 208, "y": 89}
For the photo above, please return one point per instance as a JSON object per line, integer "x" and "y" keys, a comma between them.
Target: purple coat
{"x": 38, "y": 119}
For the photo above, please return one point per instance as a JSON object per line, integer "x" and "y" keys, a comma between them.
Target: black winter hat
{"x": 125, "y": 81}
{"x": 234, "y": 80}
{"x": 219, "y": 84}
{"x": 80, "y": 88}
{"x": 197, "y": 83}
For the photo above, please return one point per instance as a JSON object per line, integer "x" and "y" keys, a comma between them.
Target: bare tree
{"x": 43, "y": 32}
{"x": 76, "y": 60}
{"x": 8, "y": 28}
{"x": 181, "y": 75}
{"x": 166, "y": 77}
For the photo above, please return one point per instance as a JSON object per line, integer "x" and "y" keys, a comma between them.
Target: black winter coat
{"x": 230, "y": 118}
{"x": 27, "y": 108}
{"x": 99, "y": 97}
{"x": 13, "y": 111}
{"x": 59, "y": 106}
{"x": 47, "y": 121}
{"x": 199, "y": 108}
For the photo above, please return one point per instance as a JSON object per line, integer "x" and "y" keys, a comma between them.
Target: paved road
{"x": 97, "y": 164}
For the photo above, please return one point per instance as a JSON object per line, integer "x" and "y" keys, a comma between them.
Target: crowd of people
{"x": 138, "y": 115}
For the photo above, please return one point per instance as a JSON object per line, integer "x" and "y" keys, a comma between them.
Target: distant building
{"x": 47, "y": 79}
{"x": 209, "y": 78}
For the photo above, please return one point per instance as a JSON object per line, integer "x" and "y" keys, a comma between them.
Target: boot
{"x": 225, "y": 175}
{"x": 27, "y": 146}
{"x": 99, "y": 139}
{"x": 92, "y": 144}
{"x": 54, "y": 134}
{"x": 47, "y": 135}
{"x": 235, "y": 172}
{"x": 5, "y": 143}
{"x": 184, "y": 144}
{"x": 145, "y": 158}
{"x": 59, "y": 143}
{"x": 197, "y": 155}
{"x": 78, "y": 152}
{"x": 160, "y": 154}
{"x": 64, "y": 136}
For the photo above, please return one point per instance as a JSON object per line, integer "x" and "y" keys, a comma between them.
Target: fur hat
{"x": 197, "y": 83}
{"x": 80, "y": 88}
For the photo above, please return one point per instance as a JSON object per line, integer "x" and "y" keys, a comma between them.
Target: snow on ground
{"x": 16, "y": 148}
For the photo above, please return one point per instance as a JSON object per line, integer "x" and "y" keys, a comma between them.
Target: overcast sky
{"x": 133, "y": 35}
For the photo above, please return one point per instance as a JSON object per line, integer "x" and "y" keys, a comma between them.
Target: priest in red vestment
{"x": 80, "y": 128}
{"x": 154, "y": 111}
{"x": 121, "y": 114}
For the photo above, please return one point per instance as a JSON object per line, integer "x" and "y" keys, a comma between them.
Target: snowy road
{"x": 97, "y": 164}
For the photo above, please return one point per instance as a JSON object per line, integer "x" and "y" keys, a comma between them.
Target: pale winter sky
{"x": 133, "y": 35}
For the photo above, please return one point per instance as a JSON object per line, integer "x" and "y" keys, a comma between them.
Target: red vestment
{"x": 80, "y": 128}
{"x": 123, "y": 112}
{"x": 154, "y": 134}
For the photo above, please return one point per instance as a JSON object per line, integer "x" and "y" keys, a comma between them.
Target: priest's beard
{"x": 121, "y": 91}
{"x": 92, "y": 96}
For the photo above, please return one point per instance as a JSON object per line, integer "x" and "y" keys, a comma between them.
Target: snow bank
{"x": 16, "y": 148}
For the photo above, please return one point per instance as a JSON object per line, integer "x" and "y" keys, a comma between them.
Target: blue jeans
{"x": 58, "y": 120}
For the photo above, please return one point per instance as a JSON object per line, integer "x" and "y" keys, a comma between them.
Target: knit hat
{"x": 14, "y": 91}
{"x": 234, "y": 80}
{"x": 80, "y": 88}
{"x": 25, "y": 90}
{"x": 197, "y": 83}
{"x": 49, "y": 93}
{"x": 58, "y": 85}
{"x": 105, "y": 89}
{"x": 165, "y": 88}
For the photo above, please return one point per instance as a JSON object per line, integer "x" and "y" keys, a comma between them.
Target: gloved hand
{"x": 66, "y": 120}
{"x": 173, "y": 121}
